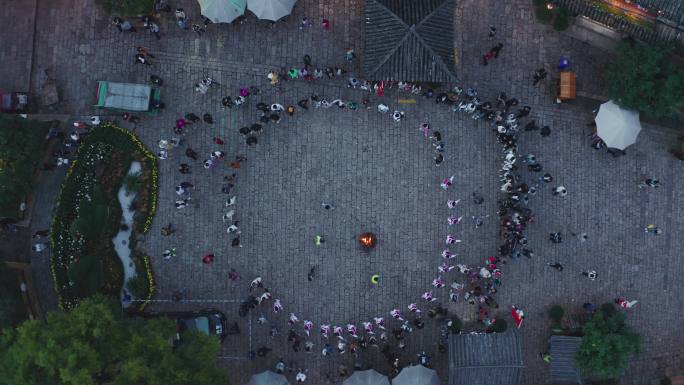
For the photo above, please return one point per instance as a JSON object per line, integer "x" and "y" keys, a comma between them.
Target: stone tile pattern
{"x": 15, "y": 44}
{"x": 380, "y": 177}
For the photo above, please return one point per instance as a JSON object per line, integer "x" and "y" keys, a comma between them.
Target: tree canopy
{"x": 22, "y": 143}
{"x": 127, "y": 7}
{"x": 646, "y": 78}
{"x": 607, "y": 344}
{"x": 94, "y": 344}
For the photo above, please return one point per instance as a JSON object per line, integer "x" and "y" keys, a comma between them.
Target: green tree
{"x": 556, "y": 313}
{"x": 127, "y": 7}
{"x": 94, "y": 344}
{"x": 646, "y": 78}
{"x": 22, "y": 143}
{"x": 12, "y": 310}
{"x": 607, "y": 345}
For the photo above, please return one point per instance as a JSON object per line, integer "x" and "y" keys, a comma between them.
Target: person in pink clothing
{"x": 623, "y": 303}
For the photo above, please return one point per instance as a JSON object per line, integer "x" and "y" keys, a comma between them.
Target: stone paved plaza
{"x": 380, "y": 177}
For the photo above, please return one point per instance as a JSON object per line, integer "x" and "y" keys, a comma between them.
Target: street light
{"x": 549, "y": 6}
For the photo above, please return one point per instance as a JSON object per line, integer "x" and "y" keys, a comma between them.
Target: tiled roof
{"x": 563, "y": 368}
{"x": 409, "y": 40}
{"x": 485, "y": 359}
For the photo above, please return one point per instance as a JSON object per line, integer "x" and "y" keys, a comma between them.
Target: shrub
{"x": 608, "y": 309}
{"x": 666, "y": 381}
{"x": 607, "y": 345}
{"x": 127, "y": 7}
{"x": 87, "y": 215}
{"x": 645, "y": 78}
{"x": 543, "y": 14}
{"x": 454, "y": 325}
{"x": 12, "y": 311}
{"x": 499, "y": 326}
{"x": 556, "y": 313}
{"x": 133, "y": 182}
{"x": 138, "y": 286}
{"x": 562, "y": 20}
{"x": 22, "y": 144}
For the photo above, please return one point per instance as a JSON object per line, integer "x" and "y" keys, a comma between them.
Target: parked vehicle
{"x": 210, "y": 322}
{"x": 128, "y": 96}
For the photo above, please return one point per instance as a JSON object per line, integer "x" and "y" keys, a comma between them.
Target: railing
{"x": 649, "y": 21}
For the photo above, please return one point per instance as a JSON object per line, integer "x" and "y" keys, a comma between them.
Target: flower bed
{"x": 91, "y": 183}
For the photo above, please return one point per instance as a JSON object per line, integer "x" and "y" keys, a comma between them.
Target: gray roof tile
{"x": 485, "y": 359}
{"x": 409, "y": 40}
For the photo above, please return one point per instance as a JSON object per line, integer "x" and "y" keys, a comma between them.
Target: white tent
{"x": 268, "y": 378}
{"x": 270, "y": 9}
{"x": 416, "y": 375}
{"x": 222, "y": 11}
{"x": 366, "y": 377}
{"x": 616, "y": 126}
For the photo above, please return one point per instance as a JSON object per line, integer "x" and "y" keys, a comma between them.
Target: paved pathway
{"x": 15, "y": 44}
{"x": 379, "y": 176}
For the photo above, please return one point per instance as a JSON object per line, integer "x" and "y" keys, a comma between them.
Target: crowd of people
{"x": 475, "y": 285}
{"x": 456, "y": 282}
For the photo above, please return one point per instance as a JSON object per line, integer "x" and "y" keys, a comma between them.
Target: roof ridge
{"x": 394, "y": 15}
{"x": 432, "y": 52}
{"x": 394, "y": 50}
{"x": 429, "y": 15}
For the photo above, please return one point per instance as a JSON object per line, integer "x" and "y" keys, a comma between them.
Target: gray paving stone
{"x": 380, "y": 177}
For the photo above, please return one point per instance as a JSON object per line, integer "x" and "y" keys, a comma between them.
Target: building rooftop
{"x": 409, "y": 40}
{"x": 485, "y": 359}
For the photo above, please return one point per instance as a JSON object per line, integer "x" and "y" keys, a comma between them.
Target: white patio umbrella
{"x": 222, "y": 11}
{"x": 616, "y": 126}
{"x": 366, "y": 377}
{"x": 270, "y": 9}
{"x": 416, "y": 375}
{"x": 268, "y": 378}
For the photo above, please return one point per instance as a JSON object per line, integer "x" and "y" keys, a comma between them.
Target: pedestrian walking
{"x": 649, "y": 182}
{"x": 496, "y": 50}
{"x": 208, "y": 259}
{"x": 233, "y": 275}
{"x": 208, "y": 118}
{"x": 591, "y": 274}
{"x": 582, "y": 237}
{"x": 236, "y": 242}
{"x": 349, "y": 54}
{"x": 41, "y": 233}
{"x": 167, "y": 230}
{"x": 447, "y": 182}
{"x": 556, "y": 265}
{"x": 198, "y": 29}
{"x": 123, "y": 25}
{"x": 539, "y": 75}
{"x": 492, "y": 32}
{"x": 306, "y": 23}
{"x": 38, "y": 247}
{"x": 560, "y": 190}
{"x": 168, "y": 253}
{"x": 556, "y": 237}
{"x": 140, "y": 58}
{"x": 263, "y": 351}
{"x": 653, "y": 229}
{"x": 144, "y": 51}
{"x": 625, "y": 304}
{"x": 325, "y": 24}
{"x": 153, "y": 28}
